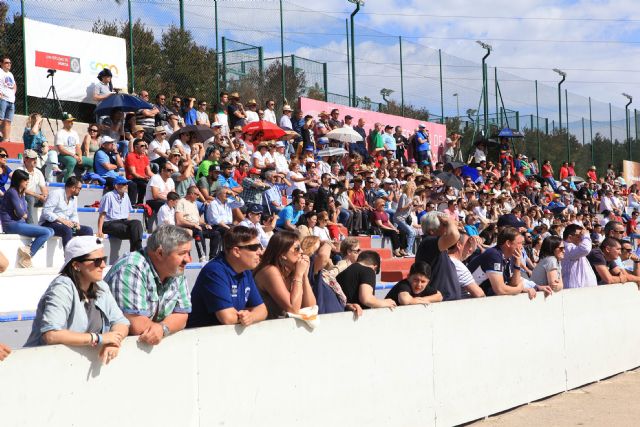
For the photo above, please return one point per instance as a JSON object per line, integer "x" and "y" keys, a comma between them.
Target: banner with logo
{"x": 630, "y": 172}
{"x": 76, "y": 57}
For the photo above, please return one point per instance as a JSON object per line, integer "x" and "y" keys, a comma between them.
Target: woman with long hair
{"x": 283, "y": 276}
{"x": 5, "y": 171}
{"x": 307, "y": 223}
{"x": 77, "y": 309}
{"x": 91, "y": 141}
{"x": 403, "y": 211}
{"x": 548, "y": 272}
{"x": 13, "y": 215}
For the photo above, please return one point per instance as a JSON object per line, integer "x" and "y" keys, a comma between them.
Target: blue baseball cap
{"x": 121, "y": 180}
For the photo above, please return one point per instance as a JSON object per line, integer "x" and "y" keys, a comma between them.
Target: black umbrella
{"x": 486, "y": 142}
{"x": 450, "y": 180}
{"x": 456, "y": 165}
{"x": 202, "y": 132}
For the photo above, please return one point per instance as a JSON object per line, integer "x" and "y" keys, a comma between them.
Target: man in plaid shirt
{"x": 150, "y": 287}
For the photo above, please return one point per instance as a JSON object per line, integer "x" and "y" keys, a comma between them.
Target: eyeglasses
{"x": 253, "y": 248}
{"x": 6, "y": 62}
{"x": 3, "y": 156}
{"x": 618, "y": 231}
{"x": 97, "y": 262}
{"x": 355, "y": 251}
{"x": 93, "y": 130}
{"x": 626, "y": 249}
{"x": 142, "y": 146}
{"x": 561, "y": 248}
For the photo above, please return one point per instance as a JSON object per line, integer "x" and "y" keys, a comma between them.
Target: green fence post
{"x": 517, "y": 120}
{"x": 346, "y": 21}
{"x": 224, "y": 63}
{"x": 282, "y": 76}
{"x": 326, "y": 82}
{"x": 611, "y": 132}
{"x": 635, "y": 122}
{"x": 182, "y": 15}
{"x": 495, "y": 80}
{"x": 593, "y": 159}
{"x": 546, "y": 126}
{"x": 583, "y": 137}
{"x": 401, "y": 79}
{"x": 24, "y": 60}
{"x": 260, "y": 62}
{"x": 566, "y": 107}
{"x": 131, "y": 55}
{"x": 537, "y": 121}
{"x": 215, "y": 15}
{"x": 441, "y": 91}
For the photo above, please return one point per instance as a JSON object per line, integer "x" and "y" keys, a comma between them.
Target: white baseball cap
{"x": 79, "y": 246}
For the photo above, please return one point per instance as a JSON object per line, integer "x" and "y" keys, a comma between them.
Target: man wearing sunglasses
{"x": 225, "y": 292}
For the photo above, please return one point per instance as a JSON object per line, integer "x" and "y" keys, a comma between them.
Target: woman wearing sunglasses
{"x": 283, "y": 276}
{"x": 548, "y": 271}
{"x": 77, "y": 309}
{"x": 5, "y": 171}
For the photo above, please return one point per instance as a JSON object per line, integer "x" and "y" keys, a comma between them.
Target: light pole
{"x": 564, "y": 77}
{"x": 457, "y": 105}
{"x": 358, "y": 3}
{"x": 626, "y": 118}
{"x": 485, "y": 88}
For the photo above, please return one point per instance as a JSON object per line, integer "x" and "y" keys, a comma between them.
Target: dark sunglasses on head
{"x": 97, "y": 262}
{"x": 253, "y": 248}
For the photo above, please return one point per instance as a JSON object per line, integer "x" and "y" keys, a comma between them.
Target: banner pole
{"x": 24, "y": 59}
{"x": 133, "y": 73}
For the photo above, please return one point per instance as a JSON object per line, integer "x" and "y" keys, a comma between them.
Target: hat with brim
{"x": 287, "y": 108}
{"x": 252, "y": 102}
{"x": 80, "y": 246}
{"x": 263, "y": 144}
{"x": 280, "y": 144}
{"x": 159, "y": 129}
{"x": 121, "y": 180}
{"x": 137, "y": 128}
{"x": 234, "y": 95}
{"x": 217, "y": 125}
{"x": 30, "y": 154}
{"x": 174, "y": 152}
{"x": 67, "y": 117}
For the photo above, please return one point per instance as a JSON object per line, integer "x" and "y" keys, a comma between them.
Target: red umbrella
{"x": 264, "y": 130}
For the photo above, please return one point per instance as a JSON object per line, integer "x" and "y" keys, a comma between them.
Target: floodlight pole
{"x": 282, "y": 70}
{"x": 626, "y": 118}
{"x": 564, "y": 77}
{"x": 358, "y": 3}
{"x": 457, "y": 105}
{"x": 485, "y": 87}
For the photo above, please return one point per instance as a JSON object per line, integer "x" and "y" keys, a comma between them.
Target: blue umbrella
{"x": 510, "y": 133}
{"x": 123, "y": 102}
{"x": 471, "y": 173}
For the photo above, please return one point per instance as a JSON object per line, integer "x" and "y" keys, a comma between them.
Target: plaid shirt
{"x": 251, "y": 193}
{"x": 136, "y": 286}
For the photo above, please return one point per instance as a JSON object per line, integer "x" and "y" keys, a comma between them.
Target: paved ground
{"x": 611, "y": 402}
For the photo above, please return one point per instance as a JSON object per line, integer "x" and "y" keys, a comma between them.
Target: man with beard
{"x": 149, "y": 285}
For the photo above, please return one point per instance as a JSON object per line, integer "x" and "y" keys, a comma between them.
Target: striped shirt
{"x": 136, "y": 286}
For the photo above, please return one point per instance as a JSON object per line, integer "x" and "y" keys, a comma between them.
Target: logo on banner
{"x": 98, "y": 66}
{"x": 57, "y": 62}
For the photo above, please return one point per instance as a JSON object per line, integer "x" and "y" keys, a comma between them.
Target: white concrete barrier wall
{"x": 439, "y": 365}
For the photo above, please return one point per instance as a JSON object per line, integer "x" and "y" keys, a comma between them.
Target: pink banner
{"x": 437, "y": 132}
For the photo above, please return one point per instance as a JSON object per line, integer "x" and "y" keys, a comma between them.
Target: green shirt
{"x": 136, "y": 287}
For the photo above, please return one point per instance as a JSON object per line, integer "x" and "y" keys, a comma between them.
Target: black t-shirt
{"x": 596, "y": 257}
{"x": 351, "y": 279}
{"x": 443, "y": 271}
{"x": 490, "y": 261}
{"x": 322, "y": 199}
{"x": 405, "y": 286}
{"x": 233, "y": 119}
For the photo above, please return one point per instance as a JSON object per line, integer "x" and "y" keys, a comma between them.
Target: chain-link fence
{"x": 199, "y": 47}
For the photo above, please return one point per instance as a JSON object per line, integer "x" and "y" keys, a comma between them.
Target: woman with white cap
{"x": 77, "y": 309}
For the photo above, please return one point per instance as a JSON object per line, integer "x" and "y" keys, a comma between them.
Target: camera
{"x": 51, "y": 72}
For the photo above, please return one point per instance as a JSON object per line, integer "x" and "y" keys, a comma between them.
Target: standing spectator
{"x": 138, "y": 170}
{"x": 401, "y": 144}
{"x": 225, "y": 292}
{"x": 13, "y": 215}
{"x": 389, "y": 141}
{"x": 283, "y": 276}
{"x": 334, "y": 121}
{"x": 564, "y": 171}
{"x": 68, "y": 144}
{"x": 8, "y": 89}
{"x": 60, "y": 212}
{"x": 440, "y": 233}
{"x": 423, "y": 148}
{"x": 146, "y": 118}
{"x": 251, "y": 112}
{"x": 114, "y": 216}
{"x": 269, "y": 112}
{"x": 220, "y": 113}
{"x": 415, "y": 288}
{"x": 285, "y": 119}
{"x": 358, "y": 282}
{"x": 202, "y": 116}
{"x": 162, "y": 118}
{"x": 235, "y": 111}
{"x": 77, "y": 308}
{"x": 348, "y": 121}
{"x": 104, "y": 88}
{"x": 37, "y": 191}
{"x": 150, "y": 287}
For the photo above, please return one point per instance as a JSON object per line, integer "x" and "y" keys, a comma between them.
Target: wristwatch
{"x": 165, "y": 330}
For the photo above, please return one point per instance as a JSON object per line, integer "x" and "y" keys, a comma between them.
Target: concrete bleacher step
{"x": 385, "y": 253}
{"x": 50, "y": 255}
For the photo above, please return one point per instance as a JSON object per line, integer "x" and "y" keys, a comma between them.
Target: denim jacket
{"x": 60, "y": 308}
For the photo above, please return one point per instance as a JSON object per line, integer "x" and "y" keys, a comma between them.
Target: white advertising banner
{"x": 77, "y": 56}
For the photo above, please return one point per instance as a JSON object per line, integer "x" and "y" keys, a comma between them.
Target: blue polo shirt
{"x": 227, "y": 182}
{"x": 424, "y": 146}
{"x": 287, "y": 213}
{"x": 219, "y": 287}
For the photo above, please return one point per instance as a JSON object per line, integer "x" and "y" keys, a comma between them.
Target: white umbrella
{"x": 344, "y": 134}
{"x": 333, "y": 151}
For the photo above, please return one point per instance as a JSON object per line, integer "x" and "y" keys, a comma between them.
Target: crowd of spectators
{"x": 282, "y": 221}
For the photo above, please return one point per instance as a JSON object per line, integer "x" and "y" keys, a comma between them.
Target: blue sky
{"x": 529, "y": 39}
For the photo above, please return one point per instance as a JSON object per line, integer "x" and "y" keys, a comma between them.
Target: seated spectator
{"x": 107, "y": 160}
{"x": 290, "y": 214}
{"x": 273, "y": 196}
{"x": 149, "y": 285}
{"x": 219, "y": 216}
{"x": 241, "y": 172}
{"x": 380, "y": 219}
{"x": 69, "y": 148}
{"x": 167, "y": 212}
{"x": 498, "y": 269}
{"x": 158, "y": 150}
{"x": 415, "y": 288}
{"x": 91, "y": 141}
{"x": 5, "y": 175}
{"x": 360, "y": 207}
{"x": 358, "y": 282}
{"x": 440, "y": 233}
{"x": 157, "y": 189}
{"x": 626, "y": 254}
{"x": 13, "y": 215}
{"x": 253, "y": 188}
{"x": 77, "y": 308}
{"x": 188, "y": 216}
{"x": 603, "y": 261}
{"x": 307, "y": 223}
{"x": 548, "y": 271}
{"x": 349, "y": 251}
{"x": 212, "y": 158}
{"x": 252, "y": 220}
{"x": 4, "y": 263}
{"x": 37, "y": 191}
{"x": 225, "y": 292}
{"x": 209, "y": 184}
{"x": 283, "y": 276}
{"x": 138, "y": 170}
{"x": 458, "y": 253}
{"x": 60, "y": 212}
{"x": 114, "y": 216}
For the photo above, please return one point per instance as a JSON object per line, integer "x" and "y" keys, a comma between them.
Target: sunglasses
{"x": 253, "y": 248}
{"x": 142, "y": 146}
{"x": 93, "y": 130}
{"x": 355, "y": 251}
{"x": 97, "y": 262}
{"x": 561, "y": 248}
{"x": 3, "y": 156}
{"x": 626, "y": 249}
